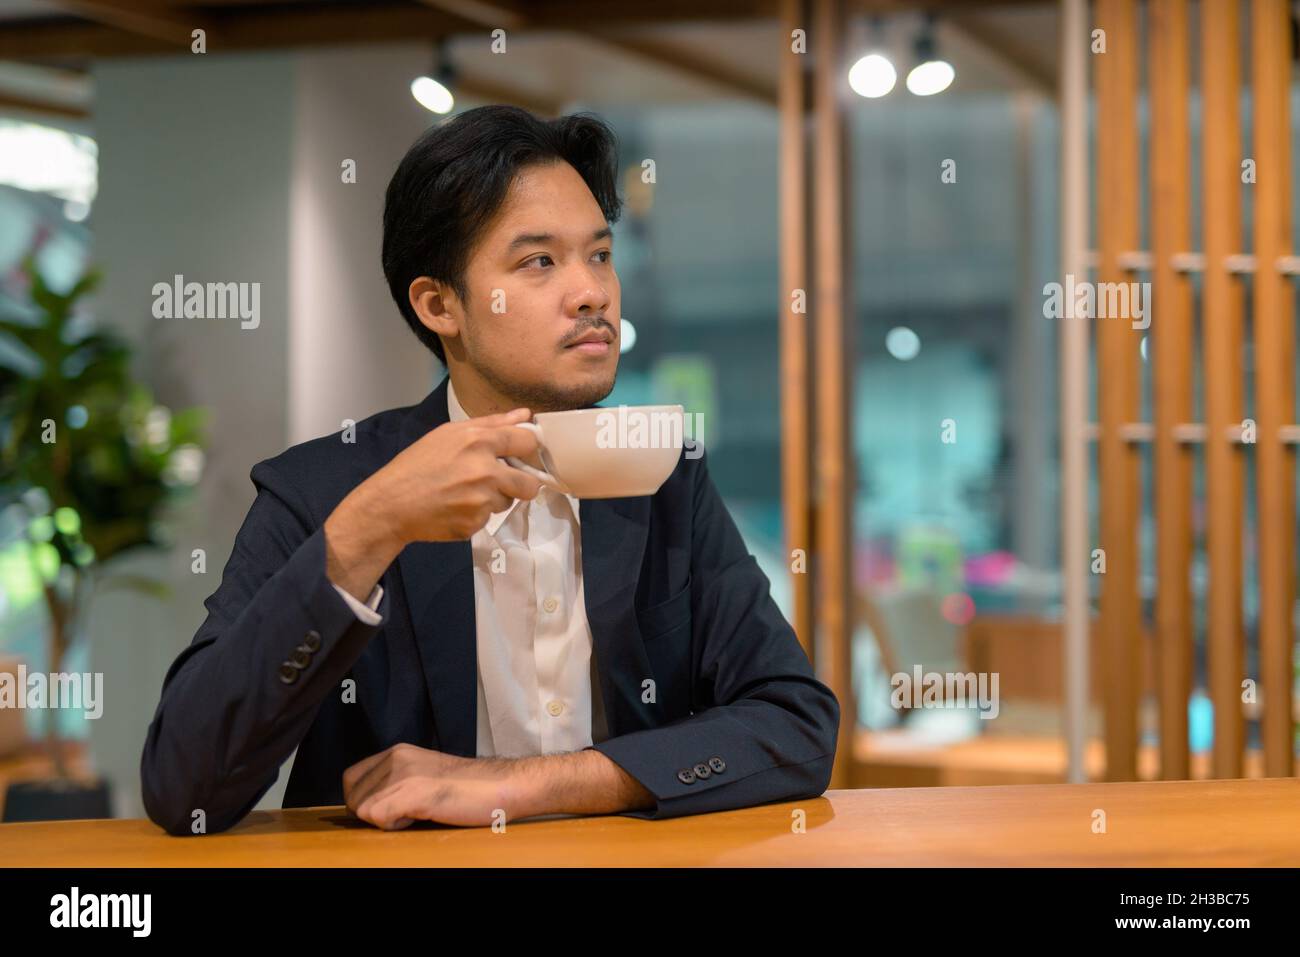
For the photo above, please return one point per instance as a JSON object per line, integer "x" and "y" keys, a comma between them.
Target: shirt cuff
{"x": 366, "y": 612}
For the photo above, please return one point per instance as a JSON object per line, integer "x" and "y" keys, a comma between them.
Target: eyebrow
{"x": 531, "y": 239}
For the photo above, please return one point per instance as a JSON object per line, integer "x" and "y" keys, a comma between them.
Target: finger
{"x": 516, "y": 483}
{"x": 388, "y": 808}
{"x": 509, "y": 440}
{"x": 373, "y": 780}
{"x": 358, "y": 770}
{"x": 408, "y": 800}
{"x": 501, "y": 419}
{"x": 497, "y": 502}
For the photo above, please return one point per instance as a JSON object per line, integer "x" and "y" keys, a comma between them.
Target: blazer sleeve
{"x": 771, "y": 733}
{"x": 277, "y": 640}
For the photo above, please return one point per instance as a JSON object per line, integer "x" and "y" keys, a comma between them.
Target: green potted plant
{"x": 89, "y": 463}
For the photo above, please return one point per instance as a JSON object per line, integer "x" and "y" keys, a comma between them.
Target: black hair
{"x": 454, "y": 178}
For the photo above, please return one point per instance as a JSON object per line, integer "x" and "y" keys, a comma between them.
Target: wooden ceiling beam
{"x": 237, "y": 28}
{"x": 510, "y": 16}
{"x": 688, "y": 63}
{"x": 945, "y": 7}
{"x": 233, "y": 26}
{"x": 487, "y": 14}
{"x": 1007, "y": 50}
{"x": 144, "y": 19}
{"x": 584, "y": 14}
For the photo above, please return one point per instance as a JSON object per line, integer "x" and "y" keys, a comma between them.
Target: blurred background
{"x": 126, "y": 150}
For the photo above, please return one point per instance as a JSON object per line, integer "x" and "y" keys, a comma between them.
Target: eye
{"x": 608, "y": 254}
{"x": 538, "y": 259}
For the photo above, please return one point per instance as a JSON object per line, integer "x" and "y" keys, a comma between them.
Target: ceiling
{"x": 560, "y": 51}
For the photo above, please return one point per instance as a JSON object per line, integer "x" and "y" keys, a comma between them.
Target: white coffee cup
{"x": 606, "y": 453}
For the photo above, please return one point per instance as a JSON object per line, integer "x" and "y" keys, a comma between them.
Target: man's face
{"x": 541, "y": 325}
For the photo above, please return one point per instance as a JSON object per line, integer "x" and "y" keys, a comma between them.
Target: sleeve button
{"x": 702, "y": 771}
{"x": 686, "y": 776}
{"x": 312, "y": 641}
{"x": 288, "y": 673}
{"x": 717, "y": 764}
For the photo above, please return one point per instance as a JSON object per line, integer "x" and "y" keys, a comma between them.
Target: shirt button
{"x": 556, "y": 708}
{"x": 550, "y": 604}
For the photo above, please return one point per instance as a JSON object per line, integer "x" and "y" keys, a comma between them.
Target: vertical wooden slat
{"x": 833, "y": 523}
{"x": 1074, "y": 359}
{"x": 1115, "y": 78}
{"x": 1221, "y": 324}
{"x": 1274, "y": 371}
{"x": 1172, "y": 334}
{"x": 796, "y": 473}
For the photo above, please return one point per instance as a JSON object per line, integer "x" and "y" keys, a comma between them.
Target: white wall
{"x": 350, "y": 353}
{"x": 226, "y": 168}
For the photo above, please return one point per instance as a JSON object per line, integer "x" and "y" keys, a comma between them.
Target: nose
{"x": 587, "y": 293}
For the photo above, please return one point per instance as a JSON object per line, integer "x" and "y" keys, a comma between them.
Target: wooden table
{"x": 1182, "y": 823}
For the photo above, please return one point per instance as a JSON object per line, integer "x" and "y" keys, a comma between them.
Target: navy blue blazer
{"x": 672, "y": 594}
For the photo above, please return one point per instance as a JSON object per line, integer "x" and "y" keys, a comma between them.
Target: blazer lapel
{"x": 438, "y": 578}
{"x": 613, "y": 541}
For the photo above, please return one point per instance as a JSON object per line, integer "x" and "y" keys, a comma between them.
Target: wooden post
{"x": 1221, "y": 329}
{"x": 1074, "y": 346}
{"x": 1172, "y": 337}
{"x": 1274, "y": 376}
{"x": 796, "y": 400}
{"x": 1115, "y": 79}
{"x": 832, "y": 455}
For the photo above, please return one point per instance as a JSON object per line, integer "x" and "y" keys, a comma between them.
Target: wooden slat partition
{"x": 1074, "y": 352}
{"x": 1115, "y": 81}
{"x": 1221, "y": 329}
{"x": 1274, "y": 376}
{"x": 796, "y": 472}
{"x": 832, "y": 347}
{"x": 1172, "y": 336}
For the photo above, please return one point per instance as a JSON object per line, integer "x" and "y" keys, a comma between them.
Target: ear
{"x": 433, "y": 302}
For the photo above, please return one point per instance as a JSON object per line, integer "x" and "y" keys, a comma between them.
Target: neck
{"x": 477, "y": 397}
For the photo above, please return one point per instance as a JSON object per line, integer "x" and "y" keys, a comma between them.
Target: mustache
{"x": 585, "y": 325}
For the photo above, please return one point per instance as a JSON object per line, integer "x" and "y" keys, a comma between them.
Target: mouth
{"x": 596, "y": 343}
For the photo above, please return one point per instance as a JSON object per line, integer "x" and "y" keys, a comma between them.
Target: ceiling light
{"x": 931, "y": 74}
{"x": 872, "y": 76}
{"x": 433, "y": 90}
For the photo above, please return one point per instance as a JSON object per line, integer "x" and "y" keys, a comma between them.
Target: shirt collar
{"x": 457, "y": 413}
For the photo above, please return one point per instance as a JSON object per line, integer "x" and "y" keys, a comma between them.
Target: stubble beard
{"x": 549, "y": 396}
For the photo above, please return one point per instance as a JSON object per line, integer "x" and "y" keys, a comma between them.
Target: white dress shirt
{"x": 538, "y": 691}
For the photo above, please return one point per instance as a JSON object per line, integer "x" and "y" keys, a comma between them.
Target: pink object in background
{"x": 990, "y": 570}
{"x": 957, "y": 609}
{"x": 873, "y": 566}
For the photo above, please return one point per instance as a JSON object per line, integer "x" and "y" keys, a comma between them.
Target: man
{"x": 518, "y": 652}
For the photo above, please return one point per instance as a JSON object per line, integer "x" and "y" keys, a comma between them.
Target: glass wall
{"x": 696, "y": 254}
{"x": 955, "y": 417}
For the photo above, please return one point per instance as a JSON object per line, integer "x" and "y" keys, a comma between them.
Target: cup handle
{"x": 546, "y": 478}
